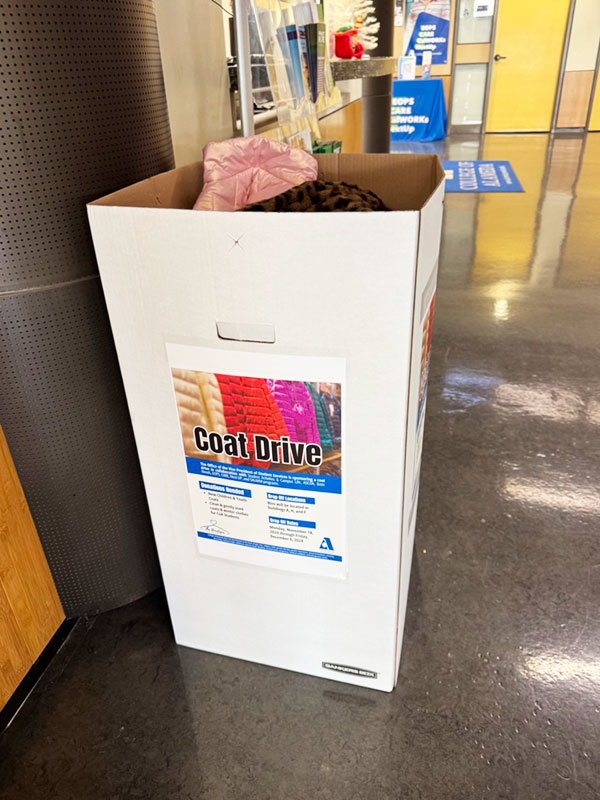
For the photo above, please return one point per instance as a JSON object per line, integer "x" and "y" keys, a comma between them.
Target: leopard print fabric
{"x": 322, "y": 196}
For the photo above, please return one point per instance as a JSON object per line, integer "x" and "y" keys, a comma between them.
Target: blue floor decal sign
{"x": 481, "y": 176}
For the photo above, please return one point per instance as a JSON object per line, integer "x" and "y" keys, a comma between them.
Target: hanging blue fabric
{"x": 418, "y": 110}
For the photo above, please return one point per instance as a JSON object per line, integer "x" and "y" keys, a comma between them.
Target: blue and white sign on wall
{"x": 428, "y": 29}
{"x": 481, "y": 176}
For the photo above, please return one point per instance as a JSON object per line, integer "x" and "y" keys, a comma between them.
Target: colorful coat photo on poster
{"x": 265, "y": 423}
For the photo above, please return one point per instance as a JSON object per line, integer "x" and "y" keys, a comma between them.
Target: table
{"x": 418, "y": 110}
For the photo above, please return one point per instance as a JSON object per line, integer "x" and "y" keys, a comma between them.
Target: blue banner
{"x": 270, "y": 547}
{"x": 265, "y": 477}
{"x": 292, "y": 523}
{"x": 418, "y": 111}
{"x": 430, "y": 33}
{"x": 232, "y": 490}
{"x": 481, "y": 176}
{"x": 291, "y": 498}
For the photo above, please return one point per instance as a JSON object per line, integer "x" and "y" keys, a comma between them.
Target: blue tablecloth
{"x": 418, "y": 110}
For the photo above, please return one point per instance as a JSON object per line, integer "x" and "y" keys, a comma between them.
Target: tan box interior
{"x": 403, "y": 181}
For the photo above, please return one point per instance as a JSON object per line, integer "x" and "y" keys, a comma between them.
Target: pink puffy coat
{"x": 297, "y": 410}
{"x": 242, "y": 171}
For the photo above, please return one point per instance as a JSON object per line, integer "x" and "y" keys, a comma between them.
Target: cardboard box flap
{"x": 403, "y": 181}
{"x": 177, "y": 188}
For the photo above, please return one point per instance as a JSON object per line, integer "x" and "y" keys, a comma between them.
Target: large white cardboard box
{"x": 276, "y": 372}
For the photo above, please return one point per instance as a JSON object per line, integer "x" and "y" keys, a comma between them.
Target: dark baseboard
{"x": 24, "y": 689}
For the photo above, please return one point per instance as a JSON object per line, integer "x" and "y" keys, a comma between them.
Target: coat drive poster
{"x": 262, "y": 440}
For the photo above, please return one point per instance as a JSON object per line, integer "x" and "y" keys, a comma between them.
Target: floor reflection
{"x": 544, "y": 237}
{"x": 506, "y": 223}
{"x": 580, "y": 265}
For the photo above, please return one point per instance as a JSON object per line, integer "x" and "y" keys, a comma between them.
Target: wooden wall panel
{"x": 472, "y": 53}
{"x": 30, "y": 611}
{"x": 345, "y": 125}
{"x": 398, "y": 41}
{"x": 575, "y": 99}
{"x": 447, "y": 84}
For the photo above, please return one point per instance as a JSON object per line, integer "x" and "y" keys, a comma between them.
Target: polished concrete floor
{"x": 499, "y": 689}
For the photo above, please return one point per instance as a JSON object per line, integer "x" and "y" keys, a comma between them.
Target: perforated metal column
{"x": 83, "y": 112}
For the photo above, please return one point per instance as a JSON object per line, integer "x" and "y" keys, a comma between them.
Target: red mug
{"x": 346, "y": 46}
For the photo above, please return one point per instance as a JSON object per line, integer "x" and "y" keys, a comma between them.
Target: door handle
{"x": 499, "y": 58}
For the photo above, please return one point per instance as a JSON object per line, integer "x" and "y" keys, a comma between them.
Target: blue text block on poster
{"x": 331, "y": 484}
{"x": 230, "y": 490}
{"x": 481, "y": 176}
